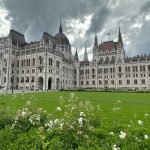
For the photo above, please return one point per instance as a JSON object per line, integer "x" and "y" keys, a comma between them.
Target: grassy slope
{"x": 131, "y": 103}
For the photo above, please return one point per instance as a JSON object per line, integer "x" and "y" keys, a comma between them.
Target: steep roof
{"x": 17, "y": 37}
{"x": 46, "y": 36}
{"x": 109, "y": 45}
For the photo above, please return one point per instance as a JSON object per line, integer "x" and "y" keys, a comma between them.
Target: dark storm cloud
{"x": 98, "y": 20}
{"x": 146, "y": 7}
{"x": 34, "y": 16}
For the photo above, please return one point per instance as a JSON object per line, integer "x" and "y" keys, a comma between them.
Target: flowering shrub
{"x": 74, "y": 124}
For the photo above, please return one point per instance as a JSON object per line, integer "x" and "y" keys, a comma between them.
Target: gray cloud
{"x": 32, "y": 17}
{"x": 98, "y": 20}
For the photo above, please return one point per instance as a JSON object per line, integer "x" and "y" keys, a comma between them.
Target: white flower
{"x": 80, "y": 132}
{"x": 115, "y": 148}
{"x": 146, "y": 115}
{"x": 116, "y": 108}
{"x": 122, "y": 135}
{"x": 49, "y": 125}
{"x": 146, "y": 137}
{"x": 118, "y": 101}
{"x": 61, "y": 97}
{"x": 111, "y": 133}
{"x": 28, "y": 103}
{"x": 58, "y": 109}
{"x": 140, "y": 122}
{"x": 40, "y": 109}
{"x": 82, "y": 114}
{"x": 30, "y": 120}
{"x": 56, "y": 121}
{"x": 80, "y": 121}
{"x": 23, "y": 113}
{"x": 61, "y": 125}
{"x": 13, "y": 125}
{"x": 72, "y": 95}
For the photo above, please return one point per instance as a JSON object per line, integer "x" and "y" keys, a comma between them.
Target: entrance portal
{"x": 49, "y": 83}
{"x": 57, "y": 83}
{"x": 40, "y": 83}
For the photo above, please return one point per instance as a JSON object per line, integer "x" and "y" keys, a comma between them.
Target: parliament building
{"x": 48, "y": 64}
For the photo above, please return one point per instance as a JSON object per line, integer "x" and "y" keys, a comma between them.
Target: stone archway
{"x": 40, "y": 83}
{"x": 57, "y": 83}
{"x": 50, "y": 83}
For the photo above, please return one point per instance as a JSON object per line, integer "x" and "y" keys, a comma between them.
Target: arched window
{"x": 112, "y": 59}
{"x": 40, "y": 60}
{"x": 27, "y": 79}
{"x": 101, "y": 60}
{"x": 22, "y": 79}
{"x": 33, "y": 79}
{"x": 106, "y": 60}
{"x": 119, "y": 69}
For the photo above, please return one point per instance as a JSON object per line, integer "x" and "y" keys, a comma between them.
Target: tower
{"x": 76, "y": 58}
{"x": 95, "y": 48}
{"x": 120, "y": 49}
{"x": 85, "y": 54}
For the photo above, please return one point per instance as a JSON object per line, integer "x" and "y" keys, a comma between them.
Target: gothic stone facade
{"x": 49, "y": 64}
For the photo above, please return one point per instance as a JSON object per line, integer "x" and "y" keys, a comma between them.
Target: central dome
{"x": 62, "y": 38}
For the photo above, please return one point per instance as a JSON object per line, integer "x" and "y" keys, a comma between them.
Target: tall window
{"x": 112, "y": 82}
{"x": 93, "y": 82}
{"x": 57, "y": 64}
{"x": 135, "y": 81}
{"x": 33, "y": 62}
{"x": 119, "y": 69}
{"x": 50, "y": 62}
{"x": 40, "y": 60}
{"x": 143, "y": 81}
{"x": 100, "y": 82}
{"x": 128, "y": 81}
{"x": 120, "y": 82}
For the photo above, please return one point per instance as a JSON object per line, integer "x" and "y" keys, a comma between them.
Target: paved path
{"x": 3, "y": 91}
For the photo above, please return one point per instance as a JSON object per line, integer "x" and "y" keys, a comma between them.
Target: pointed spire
{"x": 86, "y": 54}
{"x": 76, "y": 55}
{"x": 60, "y": 28}
{"x": 120, "y": 37}
{"x": 96, "y": 42}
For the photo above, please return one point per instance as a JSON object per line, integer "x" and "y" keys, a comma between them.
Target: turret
{"x": 96, "y": 42}
{"x": 120, "y": 38}
{"x": 85, "y": 54}
{"x": 120, "y": 49}
{"x": 95, "y": 48}
{"x": 76, "y": 58}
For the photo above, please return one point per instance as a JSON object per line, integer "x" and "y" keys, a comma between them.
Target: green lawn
{"x": 133, "y": 105}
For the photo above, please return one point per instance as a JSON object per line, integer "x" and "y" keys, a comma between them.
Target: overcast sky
{"x": 80, "y": 20}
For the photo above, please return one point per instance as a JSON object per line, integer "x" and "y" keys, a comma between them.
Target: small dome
{"x": 62, "y": 39}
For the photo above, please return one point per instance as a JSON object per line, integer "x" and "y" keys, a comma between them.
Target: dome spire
{"x": 60, "y": 28}
{"x": 120, "y": 37}
{"x": 96, "y": 42}
{"x": 86, "y": 54}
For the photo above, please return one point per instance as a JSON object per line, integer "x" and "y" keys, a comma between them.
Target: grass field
{"x": 132, "y": 106}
